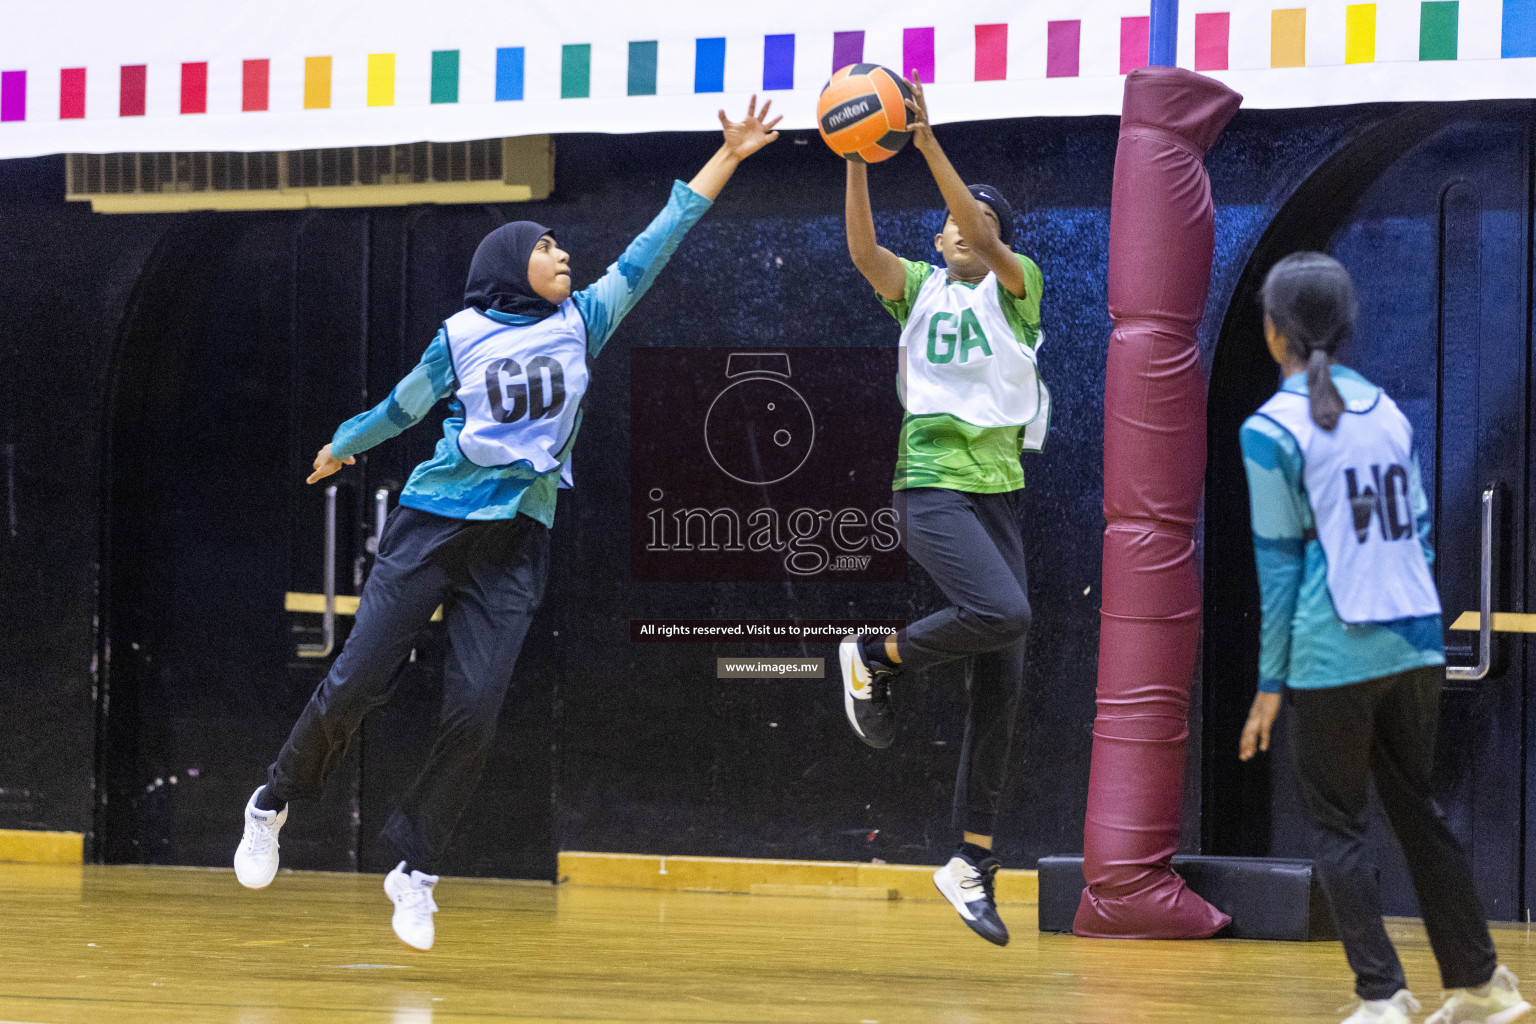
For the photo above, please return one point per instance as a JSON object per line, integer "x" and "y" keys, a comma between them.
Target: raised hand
{"x": 752, "y": 133}
{"x": 917, "y": 112}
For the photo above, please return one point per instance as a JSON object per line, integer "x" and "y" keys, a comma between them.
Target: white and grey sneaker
{"x": 968, "y": 887}
{"x": 256, "y": 856}
{"x": 414, "y": 905}
{"x": 1497, "y": 1002}
{"x": 1397, "y": 1010}
{"x": 866, "y": 696}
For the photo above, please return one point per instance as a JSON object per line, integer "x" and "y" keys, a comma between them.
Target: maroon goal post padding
{"x": 1161, "y": 240}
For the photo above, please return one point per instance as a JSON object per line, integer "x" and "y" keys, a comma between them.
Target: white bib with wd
{"x": 959, "y": 356}
{"x": 1357, "y": 483}
{"x": 520, "y": 387}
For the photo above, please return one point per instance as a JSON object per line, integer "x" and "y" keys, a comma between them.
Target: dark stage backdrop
{"x": 1432, "y": 212}
{"x": 164, "y": 381}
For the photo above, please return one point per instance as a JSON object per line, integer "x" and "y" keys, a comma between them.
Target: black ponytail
{"x": 1327, "y": 404}
{"x": 1310, "y": 299}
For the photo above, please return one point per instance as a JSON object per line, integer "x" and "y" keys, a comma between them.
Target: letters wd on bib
{"x": 1357, "y": 482}
{"x": 177, "y": 75}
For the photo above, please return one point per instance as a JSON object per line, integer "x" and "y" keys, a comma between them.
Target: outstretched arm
{"x": 408, "y": 404}
{"x": 880, "y": 267}
{"x": 742, "y": 139}
{"x": 608, "y": 300}
{"x": 963, "y": 207}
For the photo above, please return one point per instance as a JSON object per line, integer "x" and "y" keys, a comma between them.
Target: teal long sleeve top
{"x": 1304, "y": 643}
{"x": 449, "y": 484}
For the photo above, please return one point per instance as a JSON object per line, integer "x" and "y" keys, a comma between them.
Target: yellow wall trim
{"x": 346, "y": 604}
{"x": 775, "y": 877}
{"x": 25, "y": 847}
{"x": 1503, "y": 622}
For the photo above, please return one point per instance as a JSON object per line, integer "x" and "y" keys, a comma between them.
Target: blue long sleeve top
{"x": 449, "y": 484}
{"x": 1304, "y": 643}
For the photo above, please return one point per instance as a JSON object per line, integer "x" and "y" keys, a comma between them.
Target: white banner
{"x": 288, "y": 74}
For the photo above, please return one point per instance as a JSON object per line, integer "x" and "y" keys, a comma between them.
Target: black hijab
{"x": 498, "y": 275}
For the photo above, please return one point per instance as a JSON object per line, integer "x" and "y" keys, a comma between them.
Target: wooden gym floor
{"x": 175, "y": 946}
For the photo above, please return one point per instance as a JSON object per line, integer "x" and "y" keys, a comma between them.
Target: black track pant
{"x": 1384, "y": 729}
{"x": 489, "y": 577}
{"x": 971, "y": 545}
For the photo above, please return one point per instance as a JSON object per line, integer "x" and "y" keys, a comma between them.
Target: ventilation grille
{"x": 485, "y": 170}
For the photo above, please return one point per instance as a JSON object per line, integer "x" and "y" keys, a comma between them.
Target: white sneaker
{"x": 1497, "y": 1002}
{"x": 1396, "y": 1010}
{"x": 414, "y": 906}
{"x": 256, "y": 856}
{"x": 968, "y": 887}
{"x": 866, "y": 696}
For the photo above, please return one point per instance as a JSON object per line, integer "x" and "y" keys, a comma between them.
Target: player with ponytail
{"x": 1310, "y": 301}
{"x": 1351, "y": 634}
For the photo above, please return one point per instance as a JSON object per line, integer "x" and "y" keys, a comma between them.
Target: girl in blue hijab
{"x": 471, "y": 532}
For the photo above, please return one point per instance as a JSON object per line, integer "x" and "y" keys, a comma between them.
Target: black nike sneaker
{"x": 968, "y": 887}
{"x": 866, "y": 696}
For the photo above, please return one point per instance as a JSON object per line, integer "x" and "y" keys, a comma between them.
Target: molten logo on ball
{"x": 862, "y": 113}
{"x": 842, "y": 116}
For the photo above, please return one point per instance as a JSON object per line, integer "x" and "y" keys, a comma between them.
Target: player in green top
{"x": 974, "y": 401}
{"x": 941, "y": 449}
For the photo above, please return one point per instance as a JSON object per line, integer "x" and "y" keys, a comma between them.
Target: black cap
{"x": 990, "y": 195}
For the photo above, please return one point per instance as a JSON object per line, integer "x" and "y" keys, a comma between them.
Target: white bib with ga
{"x": 959, "y": 356}
{"x": 521, "y": 387}
{"x": 1357, "y": 483}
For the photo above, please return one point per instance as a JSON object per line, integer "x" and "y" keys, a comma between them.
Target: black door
{"x": 1439, "y": 243}
{"x": 251, "y": 338}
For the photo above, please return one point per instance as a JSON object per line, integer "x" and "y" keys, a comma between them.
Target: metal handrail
{"x": 328, "y": 628}
{"x": 380, "y": 514}
{"x": 1484, "y": 599}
